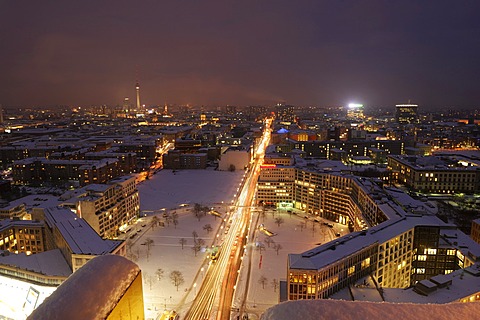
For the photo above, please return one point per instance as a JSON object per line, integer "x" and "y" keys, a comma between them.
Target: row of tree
{"x": 176, "y": 278}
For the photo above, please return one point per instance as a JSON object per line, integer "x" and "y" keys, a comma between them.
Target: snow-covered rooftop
{"x": 353, "y": 310}
{"x": 328, "y": 253}
{"x": 79, "y": 235}
{"x": 51, "y": 263}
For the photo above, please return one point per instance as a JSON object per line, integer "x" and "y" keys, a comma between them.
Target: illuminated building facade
{"x": 475, "y": 231}
{"x": 108, "y": 208}
{"x": 22, "y": 236}
{"x": 285, "y": 113}
{"x": 325, "y": 149}
{"x": 406, "y": 113}
{"x": 10, "y": 211}
{"x": 322, "y": 188}
{"x": 35, "y": 171}
{"x": 436, "y": 174}
{"x": 398, "y": 253}
{"x": 275, "y": 185}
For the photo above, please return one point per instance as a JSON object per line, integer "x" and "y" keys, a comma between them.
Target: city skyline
{"x": 306, "y": 53}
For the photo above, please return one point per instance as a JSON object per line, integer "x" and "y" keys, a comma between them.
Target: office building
{"x": 406, "y": 113}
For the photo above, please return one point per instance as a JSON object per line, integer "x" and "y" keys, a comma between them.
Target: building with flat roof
{"x": 75, "y": 238}
{"x": 406, "y": 113}
{"x": 399, "y": 242}
{"x": 441, "y": 173}
{"x": 108, "y": 208}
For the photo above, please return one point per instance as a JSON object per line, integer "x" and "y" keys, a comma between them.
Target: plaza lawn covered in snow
{"x": 169, "y": 189}
{"x": 353, "y": 310}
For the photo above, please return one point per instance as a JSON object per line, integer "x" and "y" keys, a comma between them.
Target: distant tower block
{"x": 126, "y": 105}
{"x": 406, "y": 113}
{"x": 137, "y": 89}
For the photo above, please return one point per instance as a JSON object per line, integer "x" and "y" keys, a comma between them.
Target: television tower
{"x": 137, "y": 89}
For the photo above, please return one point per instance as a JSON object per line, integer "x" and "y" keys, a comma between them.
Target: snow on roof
{"x": 36, "y": 201}
{"x": 83, "y": 296}
{"x": 450, "y": 287}
{"x": 353, "y": 310}
{"x": 326, "y": 254}
{"x": 51, "y": 263}
{"x": 79, "y": 235}
{"x": 8, "y": 223}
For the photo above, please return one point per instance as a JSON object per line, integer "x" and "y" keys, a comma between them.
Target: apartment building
{"x": 106, "y": 207}
{"x": 22, "y": 236}
{"x": 36, "y": 171}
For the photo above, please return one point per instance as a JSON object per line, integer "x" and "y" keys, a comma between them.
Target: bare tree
{"x": 198, "y": 211}
{"x": 149, "y": 243}
{"x": 154, "y": 222}
{"x": 194, "y": 235}
{"x": 175, "y": 219}
{"x": 196, "y": 248}
{"x": 168, "y": 219}
{"x": 269, "y": 241}
{"x": 129, "y": 245}
{"x": 148, "y": 279}
{"x": 132, "y": 256}
{"x": 262, "y": 213}
{"x": 279, "y": 221}
{"x": 301, "y": 225}
{"x": 159, "y": 273}
{"x": 277, "y": 247}
{"x": 207, "y": 228}
{"x": 177, "y": 278}
{"x": 260, "y": 247}
{"x": 274, "y": 285}
{"x": 183, "y": 242}
{"x": 263, "y": 281}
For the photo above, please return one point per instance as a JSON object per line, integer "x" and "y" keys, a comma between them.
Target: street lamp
{"x": 195, "y": 289}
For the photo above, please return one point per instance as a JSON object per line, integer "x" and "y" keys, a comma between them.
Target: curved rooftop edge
{"x": 92, "y": 292}
{"x": 350, "y": 310}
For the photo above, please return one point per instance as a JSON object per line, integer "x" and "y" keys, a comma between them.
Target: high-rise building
{"x": 406, "y": 113}
{"x": 126, "y": 105}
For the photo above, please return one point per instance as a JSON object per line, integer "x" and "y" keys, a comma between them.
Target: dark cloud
{"x": 240, "y": 52}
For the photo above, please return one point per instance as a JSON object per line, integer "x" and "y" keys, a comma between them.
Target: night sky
{"x": 379, "y": 53}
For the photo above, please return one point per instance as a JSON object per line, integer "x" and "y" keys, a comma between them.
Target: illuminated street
{"x": 222, "y": 274}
